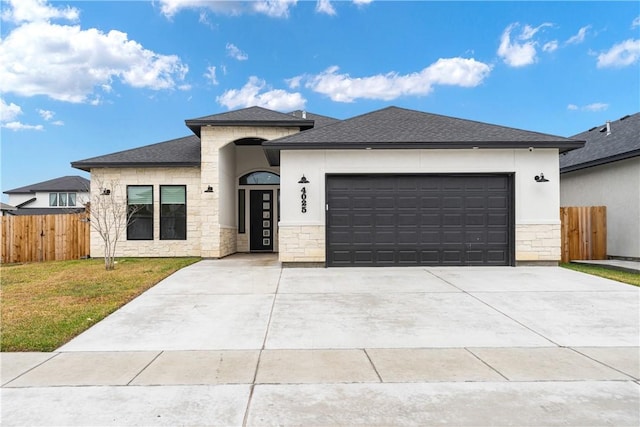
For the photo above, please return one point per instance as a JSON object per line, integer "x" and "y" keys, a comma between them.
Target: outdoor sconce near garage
{"x": 209, "y": 189}
{"x": 303, "y": 194}
{"x": 540, "y": 178}
{"x": 105, "y": 192}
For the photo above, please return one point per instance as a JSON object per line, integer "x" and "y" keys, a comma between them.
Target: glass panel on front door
{"x": 261, "y": 220}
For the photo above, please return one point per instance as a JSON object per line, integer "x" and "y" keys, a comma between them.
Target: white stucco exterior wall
{"x": 616, "y": 186}
{"x": 537, "y": 217}
{"x": 42, "y": 199}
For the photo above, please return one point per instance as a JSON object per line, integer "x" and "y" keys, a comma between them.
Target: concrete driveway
{"x": 240, "y": 341}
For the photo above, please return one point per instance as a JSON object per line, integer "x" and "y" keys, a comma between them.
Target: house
{"x": 606, "y": 172}
{"x": 67, "y": 194}
{"x": 390, "y": 187}
{"x": 6, "y": 209}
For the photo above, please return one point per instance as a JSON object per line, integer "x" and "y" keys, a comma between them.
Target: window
{"x": 173, "y": 212}
{"x": 140, "y": 212}
{"x": 62, "y": 199}
{"x": 241, "y": 212}
{"x": 260, "y": 178}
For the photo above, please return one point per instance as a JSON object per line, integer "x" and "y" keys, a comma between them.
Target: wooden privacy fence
{"x": 584, "y": 232}
{"x": 32, "y": 238}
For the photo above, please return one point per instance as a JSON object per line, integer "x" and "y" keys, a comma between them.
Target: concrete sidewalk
{"x": 241, "y": 341}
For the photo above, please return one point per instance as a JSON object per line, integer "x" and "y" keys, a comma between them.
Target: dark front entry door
{"x": 261, "y": 220}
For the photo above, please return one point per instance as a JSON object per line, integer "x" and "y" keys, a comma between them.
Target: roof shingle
{"x": 183, "y": 151}
{"x": 65, "y": 183}
{"x": 600, "y": 148}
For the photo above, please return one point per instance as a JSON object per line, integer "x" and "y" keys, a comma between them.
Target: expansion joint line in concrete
{"x": 372, "y": 365}
{"x": 29, "y": 370}
{"x": 145, "y": 367}
{"x": 493, "y": 308}
{"x": 264, "y": 343}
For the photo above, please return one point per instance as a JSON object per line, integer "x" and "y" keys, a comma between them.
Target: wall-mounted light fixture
{"x": 209, "y": 189}
{"x": 105, "y": 192}
{"x": 303, "y": 180}
{"x": 540, "y": 178}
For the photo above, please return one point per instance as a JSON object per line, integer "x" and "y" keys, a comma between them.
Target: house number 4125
{"x": 303, "y": 200}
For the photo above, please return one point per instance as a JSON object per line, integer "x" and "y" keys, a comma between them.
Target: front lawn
{"x": 44, "y": 305}
{"x": 608, "y": 273}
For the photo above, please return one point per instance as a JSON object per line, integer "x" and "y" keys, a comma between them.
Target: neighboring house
{"x": 391, "y": 187}
{"x": 67, "y": 194}
{"x": 606, "y": 172}
{"x": 6, "y": 209}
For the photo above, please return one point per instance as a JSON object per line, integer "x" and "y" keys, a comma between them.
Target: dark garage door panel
{"x": 378, "y": 220}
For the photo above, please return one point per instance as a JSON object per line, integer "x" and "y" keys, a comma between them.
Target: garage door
{"x": 383, "y": 220}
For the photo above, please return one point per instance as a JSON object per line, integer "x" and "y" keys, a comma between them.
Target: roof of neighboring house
{"x": 252, "y": 116}
{"x": 621, "y": 143}
{"x": 45, "y": 211}
{"x": 394, "y": 127}
{"x": 65, "y": 183}
{"x": 183, "y": 151}
{"x": 6, "y": 207}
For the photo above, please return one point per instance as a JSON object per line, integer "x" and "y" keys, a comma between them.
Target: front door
{"x": 261, "y": 220}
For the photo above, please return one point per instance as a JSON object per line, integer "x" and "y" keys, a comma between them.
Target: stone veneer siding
{"x": 156, "y": 177}
{"x": 302, "y": 243}
{"x": 220, "y": 239}
{"x": 538, "y": 242}
{"x": 306, "y": 243}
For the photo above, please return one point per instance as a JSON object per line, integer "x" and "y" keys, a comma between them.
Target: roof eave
{"x": 561, "y": 145}
{"x": 600, "y": 162}
{"x": 196, "y": 124}
{"x": 87, "y": 166}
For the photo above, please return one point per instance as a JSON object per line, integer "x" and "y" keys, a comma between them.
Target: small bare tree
{"x": 109, "y": 215}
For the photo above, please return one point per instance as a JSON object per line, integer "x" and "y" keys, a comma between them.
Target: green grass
{"x": 608, "y": 273}
{"x": 44, "y": 305}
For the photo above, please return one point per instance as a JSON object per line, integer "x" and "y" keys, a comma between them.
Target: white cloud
{"x": 9, "y": 112}
{"x": 234, "y": 52}
{"x": 596, "y": 106}
{"x": 16, "y": 126}
{"x": 272, "y": 8}
{"x": 58, "y": 123}
{"x": 325, "y": 6}
{"x": 211, "y": 75}
{"x": 21, "y": 11}
{"x": 344, "y": 88}
{"x": 67, "y": 63}
{"x": 579, "y": 37}
{"x": 169, "y": 8}
{"x": 519, "y": 54}
{"x": 362, "y": 2}
{"x": 528, "y": 31}
{"x": 256, "y": 93}
{"x": 516, "y": 54}
{"x": 46, "y": 114}
{"x": 550, "y": 46}
{"x": 636, "y": 22}
{"x": 620, "y": 55}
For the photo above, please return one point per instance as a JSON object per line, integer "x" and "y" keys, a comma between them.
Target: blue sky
{"x": 85, "y": 78}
